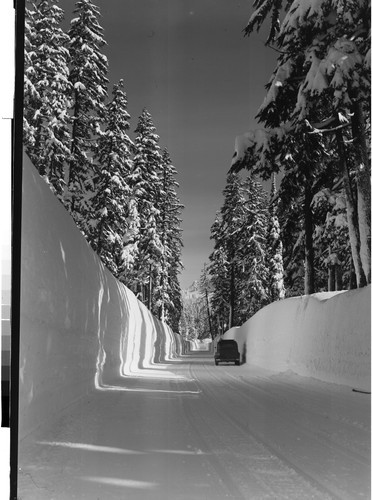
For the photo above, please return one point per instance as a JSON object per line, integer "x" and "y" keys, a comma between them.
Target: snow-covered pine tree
{"x": 111, "y": 227}
{"x": 47, "y": 92}
{"x": 88, "y": 72}
{"x": 174, "y": 310}
{"x": 292, "y": 236}
{"x": 238, "y": 263}
{"x": 205, "y": 289}
{"x": 274, "y": 246}
{"x": 130, "y": 241}
{"x": 255, "y": 290}
{"x": 305, "y": 173}
{"x": 219, "y": 272}
{"x": 302, "y": 158}
{"x": 146, "y": 167}
{"x": 189, "y": 321}
{"x": 333, "y": 260}
{"x": 169, "y": 228}
{"x": 325, "y": 62}
{"x": 31, "y": 99}
{"x": 337, "y": 61}
{"x": 233, "y": 237}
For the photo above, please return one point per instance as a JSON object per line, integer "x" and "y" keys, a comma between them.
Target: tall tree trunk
{"x": 218, "y": 324}
{"x": 150, "y": 291}
{"x": 338, "y": 277}
{"x": 352, "y": 276}
{"x": 309, "y": 247}
{"x": 332, "y": 277}
{"x": 232, "y": 297}
{"x": 351, "y": 212}
{"x": 331, "y": 274}
{"x": 363, "y": 186}
{"x": 209, "y": 314}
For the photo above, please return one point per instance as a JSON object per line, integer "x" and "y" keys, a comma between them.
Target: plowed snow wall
{"x": 316, "y": 336}
{"x": 81, "y": 329}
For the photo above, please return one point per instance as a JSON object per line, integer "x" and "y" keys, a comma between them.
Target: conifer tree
{"x": 205, "y": 288}
{"x": 88, "y": 72}
{"x": 331, "y": 239}
{"x": 290, "y": 214}
{"x": 233, "y": 233}
{"x": 276, "y": 289}
{"x": 146, "y": 167}
{"x": 31, "y": 96}
{"x": 169, "y": 223}
{"x": 47, "y": 92}
{"x": 174, "y": 308}
{"x": 238, "y": 270}
{"x": 323, "y": 79}
{"x": 256, "y": 227}
{"x": 219, "y": 272}
{"x": 111, "y": 227}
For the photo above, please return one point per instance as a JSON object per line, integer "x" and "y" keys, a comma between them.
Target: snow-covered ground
{"x": 206, "y": 433}
{"x": 113, "y": 406}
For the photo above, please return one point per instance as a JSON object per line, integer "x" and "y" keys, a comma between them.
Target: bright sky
{"x": 189, "y": 64}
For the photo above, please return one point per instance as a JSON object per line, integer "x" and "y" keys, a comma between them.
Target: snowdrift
{"x": 81, "y": 329}
{"x": 326, "y": 336}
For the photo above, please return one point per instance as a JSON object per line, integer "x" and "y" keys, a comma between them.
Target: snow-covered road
{"x": 198, "y": 431}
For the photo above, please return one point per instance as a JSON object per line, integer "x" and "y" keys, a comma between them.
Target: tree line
{"x": 245, "y": 270}
{"x": 121, "y": 193}
{"x": 313, "y": 233}
{"x": 316, "y": 117}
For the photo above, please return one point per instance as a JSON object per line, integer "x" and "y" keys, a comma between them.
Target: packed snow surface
{"x": 208, "y": 432}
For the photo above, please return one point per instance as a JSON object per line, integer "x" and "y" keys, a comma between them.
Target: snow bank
{"x": 81, "y": 329}
{"x": 325, "y": 336}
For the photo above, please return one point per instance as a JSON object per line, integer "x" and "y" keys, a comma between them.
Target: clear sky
{"x": 189, "y": 64}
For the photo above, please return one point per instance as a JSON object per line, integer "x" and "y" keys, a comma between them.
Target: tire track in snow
{"x": 318, "y": 489}
{"x": 194, "y": 420}
{"x": 305, "y": 429}
{"x": 311, "y": 401}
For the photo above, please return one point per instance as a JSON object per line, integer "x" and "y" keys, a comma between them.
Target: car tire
{"x": 216, "y": 363}
{"x": 237, "y": 363}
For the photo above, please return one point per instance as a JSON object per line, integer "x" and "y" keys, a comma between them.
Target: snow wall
{"x": 81, "y": 329}
{"x": 326, "y": 336}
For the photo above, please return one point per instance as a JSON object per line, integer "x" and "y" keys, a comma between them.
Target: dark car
{"x": 227, "y": 352}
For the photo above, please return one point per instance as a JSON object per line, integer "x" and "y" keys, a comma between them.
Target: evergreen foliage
{"x": 112, "y": 224}
{"x": 122, "y": 196}
{"x": 195, "y": 320}
{"x": 317, "y": 105}
{"x": 276, "y": 289}
{"x": 257, "y": 222}
{"x": 167, "y": 291}
{"x": 205, "y": 289}
{"x": 331, "y": 240}
{"x": 47, "y": 92}
{"x": 88, "y": 76}
{"x": 238, "y": 267}
{"x": 146, "y": 167}
{"x": 219, "y": 272}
